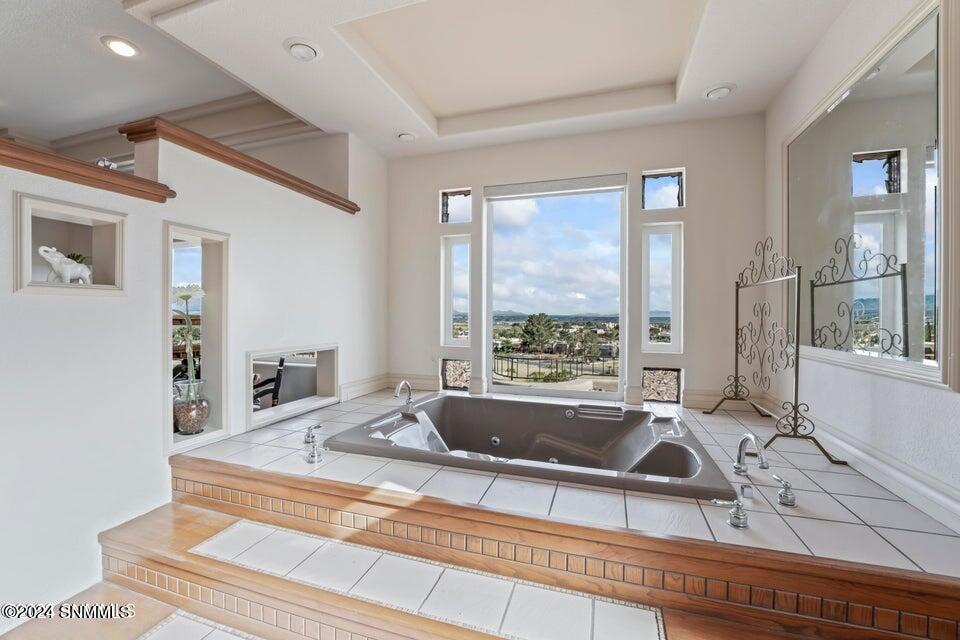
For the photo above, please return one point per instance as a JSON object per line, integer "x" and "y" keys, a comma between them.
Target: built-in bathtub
{"x": 587, "y": 444}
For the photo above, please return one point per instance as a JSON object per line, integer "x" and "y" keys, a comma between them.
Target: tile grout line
{"x": 430, "y": 592}
{"x": 503, "y": 617}
{"x": 903, "y": 553}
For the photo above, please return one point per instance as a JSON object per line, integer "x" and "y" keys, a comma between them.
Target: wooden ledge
{"x": 152, "y": 128}
{"x": 47, "y": 163}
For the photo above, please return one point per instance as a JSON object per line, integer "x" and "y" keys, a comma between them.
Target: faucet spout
{"x": 409, "y": 402}
{"x": 740, "y": 467}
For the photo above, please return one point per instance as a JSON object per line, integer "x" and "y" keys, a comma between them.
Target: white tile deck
{"x": 484, "y": 608}
{"x": 501, "y": 606}
{"x": 892, "y": 531}
{"x": 336, "y": 566}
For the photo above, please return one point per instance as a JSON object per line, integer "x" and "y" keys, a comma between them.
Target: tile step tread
{"x": 160, "y": 541}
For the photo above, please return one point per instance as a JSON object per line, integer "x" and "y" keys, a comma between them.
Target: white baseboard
{"x": 357, "y": 388}
{"x": 419, "y": 381}
{"x": 708, "y": 399}
{"x": 924, "y": 491}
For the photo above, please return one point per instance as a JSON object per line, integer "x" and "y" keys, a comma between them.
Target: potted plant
{"x": 190, "y": 408}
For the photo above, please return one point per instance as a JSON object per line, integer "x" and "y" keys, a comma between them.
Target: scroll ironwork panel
{"x": 852, "y": 264}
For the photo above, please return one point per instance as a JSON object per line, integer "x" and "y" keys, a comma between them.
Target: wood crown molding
{"x": 35, "y": 160}
{"x": 153, "y": 128}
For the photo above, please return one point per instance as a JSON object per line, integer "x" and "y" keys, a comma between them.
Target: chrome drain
{"x": 495, "y": 441}
{"x": 553, "y": 461}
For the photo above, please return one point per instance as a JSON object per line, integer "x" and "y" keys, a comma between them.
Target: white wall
{"x": 723, "y": 219}
{"x": 81, "y": 382}
{"x": 904, "y": 434}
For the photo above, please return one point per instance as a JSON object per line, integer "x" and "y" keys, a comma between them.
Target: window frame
{"x": 448, "y": 243}
{"x": 675, "y": 230}
{"x": 678, "y": 172}
{"x": 445, "y": 195}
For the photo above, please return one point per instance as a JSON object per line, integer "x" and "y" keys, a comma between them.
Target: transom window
{"x": 663, "y": 189}
{"x": 876, "y": 173}
{"x": 455, "y": 206}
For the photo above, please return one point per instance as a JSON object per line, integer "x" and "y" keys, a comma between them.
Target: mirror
{"x": 863, "y": 214}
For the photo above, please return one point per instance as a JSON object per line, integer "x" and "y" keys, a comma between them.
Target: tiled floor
{"x": 840, "y": 513}
{"x": 186, "y": 626}
{"x": 493, "y": 604}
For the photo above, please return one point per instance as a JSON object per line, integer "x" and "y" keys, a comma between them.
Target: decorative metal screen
{"x": 661, "y": 384}
{"x": 455, "y": 374}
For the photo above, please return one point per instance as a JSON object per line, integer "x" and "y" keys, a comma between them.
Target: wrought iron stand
{"x": 771, "y": 346}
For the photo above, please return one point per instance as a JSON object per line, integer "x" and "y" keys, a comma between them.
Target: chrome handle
{"x": 785, "y": 496}
{"x": 738, "y": 517}
{"x": 783, "y": 483}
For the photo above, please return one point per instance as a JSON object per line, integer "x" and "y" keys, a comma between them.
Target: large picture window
{"x": 662, "y": 321}
{"x": 556, "y": 286}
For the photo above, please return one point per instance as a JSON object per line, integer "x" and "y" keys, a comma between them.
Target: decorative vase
{"x": 190, "y": 408}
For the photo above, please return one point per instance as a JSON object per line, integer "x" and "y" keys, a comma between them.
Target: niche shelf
{"x": 56, "y": 239}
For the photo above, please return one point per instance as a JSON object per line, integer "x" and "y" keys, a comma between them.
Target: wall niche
{"x": 62, "y": 247}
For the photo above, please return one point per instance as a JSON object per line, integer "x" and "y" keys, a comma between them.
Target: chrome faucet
{"x": 396, "y": 394}
{"x": 740, "y": 467}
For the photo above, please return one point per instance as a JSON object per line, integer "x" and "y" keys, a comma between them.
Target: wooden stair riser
{"x": 254, "y": 605}
{"x": 798, "y": 595}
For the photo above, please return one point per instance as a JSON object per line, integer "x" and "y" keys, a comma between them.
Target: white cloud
{"x": 663, "y": 197}
{"x": 515, "y": 213}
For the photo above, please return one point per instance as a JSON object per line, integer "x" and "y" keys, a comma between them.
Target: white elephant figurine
{"x": 63, "y": 269}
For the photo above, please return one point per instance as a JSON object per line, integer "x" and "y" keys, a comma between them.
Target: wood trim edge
{"x": 837, "y": 608}
{"x": 153, "y": 128}
{"x": 640, "y": 541}
{"x": 25, "y": 157}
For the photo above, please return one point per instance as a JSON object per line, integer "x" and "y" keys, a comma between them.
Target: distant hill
{"x": 518, "y": 316}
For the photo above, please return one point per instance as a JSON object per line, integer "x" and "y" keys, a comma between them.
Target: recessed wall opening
{"x": 282, "y": 383}
{"x": 68, "y": 248}
{"x": 196, "y": 294}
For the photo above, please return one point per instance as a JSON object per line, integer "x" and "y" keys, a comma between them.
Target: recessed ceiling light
{"x": 119, "y": 46}
{"x": 302, "y": 52}
{"x": 406, "y": 136}
{"x": 720, "y": 91}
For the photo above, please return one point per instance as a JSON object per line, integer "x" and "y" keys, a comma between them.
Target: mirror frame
{"x": 947, "y": 371}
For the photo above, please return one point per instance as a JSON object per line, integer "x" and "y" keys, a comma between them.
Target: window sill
{"x": 914, "y": 372}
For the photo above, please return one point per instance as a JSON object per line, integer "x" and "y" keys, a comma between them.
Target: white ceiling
{"x": 565, "y": 67}
{"x": 464, "y": 56}
{"x": 58, "y": 80}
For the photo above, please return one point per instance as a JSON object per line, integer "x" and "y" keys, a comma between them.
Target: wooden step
{"x": 392, "y": 596}
{"x": 782, "y": 592}
{"x": 141, "y": 616}
{"x": 148, "y": 613}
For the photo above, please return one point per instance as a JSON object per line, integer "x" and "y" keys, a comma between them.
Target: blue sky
{"x": 557, "y": 254}
{"x": 186, "y": 270}
{"x": 868, "y": 178}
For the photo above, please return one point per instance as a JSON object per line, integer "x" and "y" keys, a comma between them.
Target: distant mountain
{"x": 519, "y": 316}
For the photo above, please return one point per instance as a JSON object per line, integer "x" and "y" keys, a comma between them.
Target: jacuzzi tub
{"x": 587, "y": 444}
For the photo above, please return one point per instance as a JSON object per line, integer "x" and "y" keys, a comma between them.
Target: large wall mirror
{"x": 863, "y": 210}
